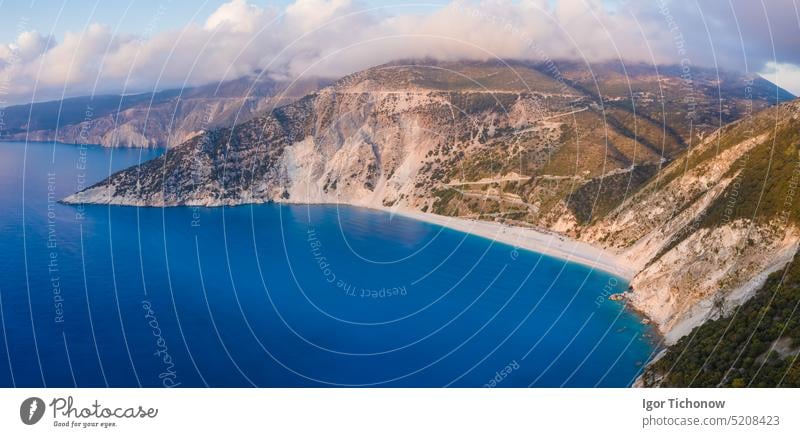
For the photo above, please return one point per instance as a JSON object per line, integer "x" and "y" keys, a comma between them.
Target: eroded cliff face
{"x": 516, "y": 147}
{"x": 700, "y": 246}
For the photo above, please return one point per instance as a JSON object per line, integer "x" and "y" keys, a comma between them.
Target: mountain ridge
{"x": 158, "y": 119}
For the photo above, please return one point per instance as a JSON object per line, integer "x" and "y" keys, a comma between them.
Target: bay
{"x": 282, "y": 295}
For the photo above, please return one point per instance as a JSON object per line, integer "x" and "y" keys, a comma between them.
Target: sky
{"x": 55, "y": 48}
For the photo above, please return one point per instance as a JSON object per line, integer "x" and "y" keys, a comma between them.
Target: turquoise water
{"x": 270, "y": 295}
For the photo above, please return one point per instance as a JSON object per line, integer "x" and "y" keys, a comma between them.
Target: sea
{"x": 275, "y": 295}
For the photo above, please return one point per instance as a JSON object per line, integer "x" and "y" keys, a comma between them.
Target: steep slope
{"x": 162, "y": 119}
{"x": 705, "y": 233}
{"x": 755, "y": 346}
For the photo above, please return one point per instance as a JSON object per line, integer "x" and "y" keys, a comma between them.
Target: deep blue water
{"x": 271, "y": 295}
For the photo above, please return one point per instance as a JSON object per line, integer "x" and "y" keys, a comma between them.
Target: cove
{"x": 282, "y": 295}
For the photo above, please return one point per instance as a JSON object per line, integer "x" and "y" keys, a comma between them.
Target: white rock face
{"x": 710, "y": 272}
{"x": 360, "y": 159}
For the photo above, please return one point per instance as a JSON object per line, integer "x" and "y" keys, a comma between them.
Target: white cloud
{"x": 337, "y": 37}
{"x": 307, "y": 15}
{"x": 786, "y": 76}
{"x": 237, "y": 16}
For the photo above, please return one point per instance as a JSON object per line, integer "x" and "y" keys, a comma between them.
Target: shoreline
{"x": 544, "y": 242}
{"x": 547, "y": 243}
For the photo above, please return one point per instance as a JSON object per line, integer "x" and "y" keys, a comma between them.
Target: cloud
{"x": 307, "y": 15}
{"x": 336, "y": 37}
{"x": 529, "y": 29}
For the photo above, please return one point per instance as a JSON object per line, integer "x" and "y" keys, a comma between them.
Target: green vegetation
{"x": 729, "y": 136}
{"x": 523, "y": 154}
{"x": 476, "y": 103}
{"x": 767, "y": 184}
{"x": 599, "y": 196}
{"x": 475, "y": 76}
{"x": 736, "y": 351}
{"x": 443, "y": 198}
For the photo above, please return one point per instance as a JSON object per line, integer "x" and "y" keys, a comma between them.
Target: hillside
{"x": 422, "y": 135}
{"x": 161, "y": 119}
{"x": 757, "y": 345}
{"x": 702, "y": 214}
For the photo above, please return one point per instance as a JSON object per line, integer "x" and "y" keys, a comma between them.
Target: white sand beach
{"x": 548, "y": 243}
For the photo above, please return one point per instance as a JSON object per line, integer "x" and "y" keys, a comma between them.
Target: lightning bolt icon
{"x": 34, "y": 406}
